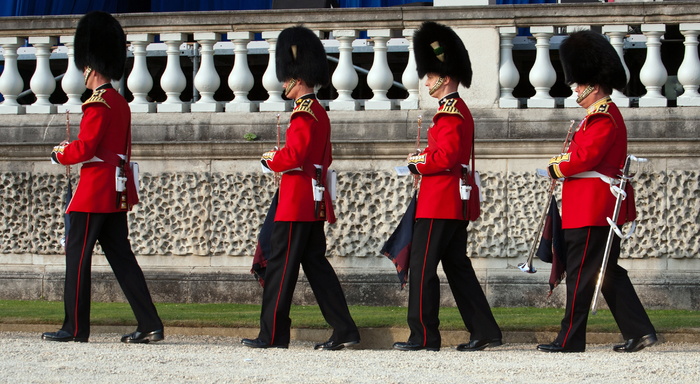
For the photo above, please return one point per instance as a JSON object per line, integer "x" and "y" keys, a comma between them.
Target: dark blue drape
{"x": 61, "y": 7}
{"x": 208, "y": 5}
{"x": 77, "y": 7}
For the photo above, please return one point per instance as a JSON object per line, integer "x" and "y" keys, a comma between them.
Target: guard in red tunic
{"x": 440, "y": 230}
{"x": 298, "y": 236}
{"x": 97, "y": 211}
{"x": 595, "y": 158}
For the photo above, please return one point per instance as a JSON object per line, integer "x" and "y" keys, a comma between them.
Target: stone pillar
{"x": 617, "y": 35}
{"x": 173, "y": 80}
{"x": 653, "y": 73}
{"x": 344, "y": 77}
{"x": 43, "y": 82}
{"x": 240, "y": 80}
{"x": 73, "y": 82}
{"x": 140, "y": 81}
{"x": 207, "y": 79}
{"x": 379, "y": 77}
{"x": 542, "y": 74}
{"x": 689, "y": 71}
{"x": 273, "y": 86}
{"x": 409, "y": 78}
{"x": 508, "y": 75}
{"x": 11, "y": 83}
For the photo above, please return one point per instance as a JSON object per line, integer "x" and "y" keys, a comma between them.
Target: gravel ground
{"x": 25, "y": 358}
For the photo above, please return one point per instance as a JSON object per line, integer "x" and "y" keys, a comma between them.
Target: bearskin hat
{"x": 439, "y": 50}
{"x": 300, "y": 55}
{"x": 100, "y": 43}
{"x": 588, "y": 58}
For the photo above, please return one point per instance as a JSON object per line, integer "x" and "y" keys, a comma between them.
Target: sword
{"x": 527, "y": 265}
{"x": 619, "y": 192}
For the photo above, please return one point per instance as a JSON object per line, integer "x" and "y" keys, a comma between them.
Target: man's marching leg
{"x": 328, "y": 292}
{"x": 424, "y": 288}
{"x": 469, "y": 296}
{"x": 76, "y": 295}
{"x": 114, "y": 240}
{"x": 584, "y": 252}
{"x": 288, "y": 242}
{"x": 625, "y": 306}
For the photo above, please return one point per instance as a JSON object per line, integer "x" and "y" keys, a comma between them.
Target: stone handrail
{"x": 485, "y": 29}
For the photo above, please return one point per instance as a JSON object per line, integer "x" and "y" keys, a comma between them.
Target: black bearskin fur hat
{"x": 100, "y": 43}
{"x": 439, "y": 50}
{"x": 588, "y": 58}
{"x": 300, "y": 55}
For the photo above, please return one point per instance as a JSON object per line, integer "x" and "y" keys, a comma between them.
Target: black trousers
{"x": 111, "y": 230}
{"x": 585, "y": 251}
{"x": 434, "y": 241}
{"x": 295, "y": 244}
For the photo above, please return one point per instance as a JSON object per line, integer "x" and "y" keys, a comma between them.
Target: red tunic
{"x": 440, "y": 164}
{"x": 104, "y": 127}
{"x": 307, "y": 143}
{"x": 599, "y": 144}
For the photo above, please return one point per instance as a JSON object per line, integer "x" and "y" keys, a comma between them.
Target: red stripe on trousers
{"x": 422, "y": 284}
{"x": 279, "y": 294}
{"x": 80, "y": 268}
{"x": 578, "y": 279}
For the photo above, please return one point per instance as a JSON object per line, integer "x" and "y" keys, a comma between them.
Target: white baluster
{"x": 508, "y": 75}
{"x": 542, "y": 74}
{"x": 173, "y": 80}
{"x": 241, "y": 80}
{"x": 617, "y": 35}
{"x": 140, "y": 81}
{"x": 273, "y": 86}
{"x": 410, "y": 78}
{"x": 379, "y": 77}
{"x": 570, "y": 102}
{"x": 653, "y": 73}
{"x": 43, "y": 82}
{"x": 73, "y": 82}
{"x": 11, "y": 83}
{"x": 689, "y": 71}
{"x": 207, "y": 79}
{"x": 344, "y": 77}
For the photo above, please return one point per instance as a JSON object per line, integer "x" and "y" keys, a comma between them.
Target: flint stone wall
{"x": 204, "y": 197}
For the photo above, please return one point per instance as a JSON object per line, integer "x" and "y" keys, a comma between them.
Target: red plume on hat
{"x": 100, "y": 44}
{"x": 587, "y": 57}
{"x": 439, "y": 50}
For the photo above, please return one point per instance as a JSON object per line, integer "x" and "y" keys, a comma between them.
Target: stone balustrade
{"x": 484, "y": 29}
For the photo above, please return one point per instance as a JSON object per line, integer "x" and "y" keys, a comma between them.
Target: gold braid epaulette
{"x": 304, "y": 105}
{"x": 97, "y": 98}
{"x": 449, "y": 107}
{"x": 600, "y": 106}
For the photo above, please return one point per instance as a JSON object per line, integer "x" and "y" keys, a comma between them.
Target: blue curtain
{"x": 63, "y": 7}
{"x": 78, "y": 7}
{"x": 208, "y": 5}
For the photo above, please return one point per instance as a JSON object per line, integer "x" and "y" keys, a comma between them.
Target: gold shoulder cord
{"x": 96, "y": 97}
{"x": 450, "y": 108}
{"x": 304, "y": 105}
